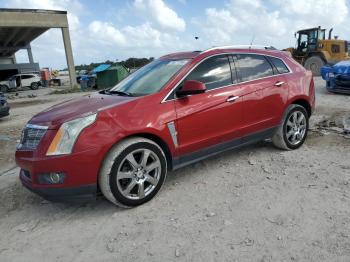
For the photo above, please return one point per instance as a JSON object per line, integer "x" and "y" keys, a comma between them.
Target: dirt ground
{"x": 253, "y": 204}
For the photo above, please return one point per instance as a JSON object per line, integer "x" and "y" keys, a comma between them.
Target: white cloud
{"x": 106, "y": 33}
{"x": 332, "y": 12}
{"x": 220, "y": 25}
{"x": 101, "y": 40}
{"x": 143, "y": 36}
{"x": 161, "y": 14}
{"x": 240, "y": 22}
{"x": 270, "y": 22}
{"x": 143, "y": 40}
{"x": 153, "y": 27}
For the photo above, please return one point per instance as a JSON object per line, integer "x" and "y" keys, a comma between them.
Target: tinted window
{"x": 253, "y": 66}
{"x": 213, "y": 72}
{"x": 279, "y": 64}
{"x": 27, "y": 76}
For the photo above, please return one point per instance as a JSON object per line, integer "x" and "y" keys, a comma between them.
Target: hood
{"x": 54, "y": 116}
{"x": 342, "y": 67}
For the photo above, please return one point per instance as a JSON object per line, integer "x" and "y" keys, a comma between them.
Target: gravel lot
{"x": 254, "y": 204}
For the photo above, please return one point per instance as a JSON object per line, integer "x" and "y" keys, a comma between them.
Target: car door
{"x": 266, "y": 92}
{"x": 26, "y": 80}
{"x": 213, "y": 117}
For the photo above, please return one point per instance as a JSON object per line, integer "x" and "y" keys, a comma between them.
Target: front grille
{"x": 31, "y": 137}
{"x": 342, "y": 80}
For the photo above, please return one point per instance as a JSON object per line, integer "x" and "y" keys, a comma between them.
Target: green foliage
{"x": 129, "y": 63}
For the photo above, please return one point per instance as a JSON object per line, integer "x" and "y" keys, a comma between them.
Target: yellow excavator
{"x": 313, "y": 50}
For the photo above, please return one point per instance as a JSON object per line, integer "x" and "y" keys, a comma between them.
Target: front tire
{"x": 314, "y": 64}
{"x": 34, "y": 86}
{"x": 133, "y": 172}
{"x": 293, "y": 132}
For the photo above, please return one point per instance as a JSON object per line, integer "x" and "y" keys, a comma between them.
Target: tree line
{"x": 129, "y": 63}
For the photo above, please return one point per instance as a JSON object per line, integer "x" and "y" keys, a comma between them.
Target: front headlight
{"x": 68, "y": 133}
{"x": 330, "y": 75}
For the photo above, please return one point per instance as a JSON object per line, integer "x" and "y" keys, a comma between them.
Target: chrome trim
{"x": 279, "y": 83}
{"x": 233, "y": 84}
{"x": 36, "y": 126}
{"x": 232, "y": 98}
{"x": 262, "y": 47}
{"x": 173, "y": 132}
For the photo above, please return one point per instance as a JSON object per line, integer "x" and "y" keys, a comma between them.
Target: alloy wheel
{"x": 138, "y": 174}
{"x": 296, "y": 128}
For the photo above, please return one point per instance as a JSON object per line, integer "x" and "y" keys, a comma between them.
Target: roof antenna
{"x": 251, "y": 42}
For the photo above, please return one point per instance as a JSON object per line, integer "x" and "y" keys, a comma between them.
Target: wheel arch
{"x": 304, "y": 103}
{"x": 156, "y": 139}
{"x": 160, "y": 142}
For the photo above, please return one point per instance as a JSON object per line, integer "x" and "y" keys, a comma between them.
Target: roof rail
{"x": 241, "y": 47}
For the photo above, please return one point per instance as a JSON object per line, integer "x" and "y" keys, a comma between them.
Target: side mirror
{"x": 191, "y": 87}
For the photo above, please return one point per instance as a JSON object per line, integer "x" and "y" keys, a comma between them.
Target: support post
{"x": 69, "y": 55}
{"x": 30, "y": 54}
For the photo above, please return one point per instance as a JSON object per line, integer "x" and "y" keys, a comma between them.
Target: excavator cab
{"x": 307, "y": 40}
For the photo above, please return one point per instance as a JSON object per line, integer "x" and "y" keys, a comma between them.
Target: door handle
{"x": 279, "y": 83}
{"x": 232, "y": 98}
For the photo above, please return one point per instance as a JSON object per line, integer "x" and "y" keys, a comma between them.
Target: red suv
{"x": 178, "y": 109}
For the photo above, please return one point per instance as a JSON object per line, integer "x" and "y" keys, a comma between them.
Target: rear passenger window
{"x": 280, "y": 65}
{"x": 253, "y": 67}
{"x": 213, "y": 72}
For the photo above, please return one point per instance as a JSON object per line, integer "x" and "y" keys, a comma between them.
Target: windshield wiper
{"x": 117, "y": 92}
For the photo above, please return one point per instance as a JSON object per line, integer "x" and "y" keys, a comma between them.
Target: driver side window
{"x": 214, "y": 72}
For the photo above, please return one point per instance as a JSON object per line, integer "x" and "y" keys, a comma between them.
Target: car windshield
{"x": 149, "y": 79}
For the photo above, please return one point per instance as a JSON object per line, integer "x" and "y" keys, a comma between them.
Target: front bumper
{"x": 338, "y": 85}
{"x": 57, "y": 194}
{"x": 4, "y": 111}
{"x": 337, "y": 79}
{"x": 80, "y": 169}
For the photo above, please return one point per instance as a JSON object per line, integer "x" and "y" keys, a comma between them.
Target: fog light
{"x": 51, "y": 178}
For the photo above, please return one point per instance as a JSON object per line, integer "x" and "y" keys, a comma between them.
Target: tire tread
{"x": 108, "y": 162}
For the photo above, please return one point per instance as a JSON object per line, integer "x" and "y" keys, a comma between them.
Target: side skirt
{"x": 191, "y": 158}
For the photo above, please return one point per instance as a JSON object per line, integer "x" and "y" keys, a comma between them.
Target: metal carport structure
{"x": 18, "y": 27}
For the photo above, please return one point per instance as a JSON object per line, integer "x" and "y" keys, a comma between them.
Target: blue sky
{"x": 113, "y": 29}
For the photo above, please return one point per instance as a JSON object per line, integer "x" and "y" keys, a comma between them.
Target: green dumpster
{"x": 111, "y": 76}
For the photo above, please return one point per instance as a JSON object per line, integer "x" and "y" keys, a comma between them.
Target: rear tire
{"x": 133, "y": 172}
{"x": 293, "y": 132}
{"x": 314, "y": 64}
{"x": 34, "y": 86}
